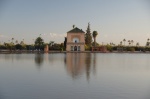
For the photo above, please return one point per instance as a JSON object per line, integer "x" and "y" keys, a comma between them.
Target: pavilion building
{"x": 75, "y": 40}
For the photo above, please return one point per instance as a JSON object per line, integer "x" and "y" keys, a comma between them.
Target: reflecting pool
{"x": 75, "y": 76}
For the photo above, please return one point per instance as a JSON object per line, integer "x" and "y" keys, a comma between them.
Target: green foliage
{"x": 132, "y": 49}
{"x": 96, "y": 44}
{"x": 114, "y": 48}
{"x": 51, "y": 43}
{"x": 88, "y": 37}
{"x": 30, "y": 47}
{"x": 2, "y": 47}
{"x": 95, "y": 33}
{"x": 45, "y": 44}
{"x": 87, "y": 48}
{"x": 39, "y": 43}
{"x": 147, "y": 48}
{"x": 147, "y": 43}
{"x": 109, "y": 48}
{"x": 9, "y": 46}
{"x": 65, "y": 42}
{"x": 62, "y": 47}
{"x": 18, "y": 46}
{"x": 55, "y": 47}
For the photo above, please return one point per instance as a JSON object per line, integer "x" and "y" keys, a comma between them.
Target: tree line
{"x": 39, "y": 44}
{"x": 122, "y": 46}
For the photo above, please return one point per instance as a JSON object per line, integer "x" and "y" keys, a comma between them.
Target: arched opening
{"x": 76, "y": 40}
{"x": 75, "y": 48}
{"x": 78, "y": 48}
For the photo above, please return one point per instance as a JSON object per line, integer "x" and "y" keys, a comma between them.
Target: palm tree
{"x": 73, "y": 26}
{"x": 51, "y": 43}
{"x": 129, "y": 42}
{"x": 21, "y": 43}
{"x": 111, "y": 44}
{"x": 124, "y": 40}
{"x": 12, "y": 40}
{"x": 137, "y": 44}
{"x": 147, "y": 44}
{"x": 121, "y": 43}
{"x": 16, "y": 42}
{"x": 33, "y": 41}
{"x": 148, "y": 40}
{"x": 132, "y": 42}
{"x": 95, "y": 33}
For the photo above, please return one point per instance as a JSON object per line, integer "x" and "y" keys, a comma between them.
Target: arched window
{"x": 78, "y": 48}
{"x": 75, "y": 40}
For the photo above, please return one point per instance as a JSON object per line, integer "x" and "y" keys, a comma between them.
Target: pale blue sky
{"x": 113, "y": 19}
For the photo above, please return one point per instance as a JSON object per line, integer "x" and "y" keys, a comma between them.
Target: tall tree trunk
{"x": 94, "y": 42}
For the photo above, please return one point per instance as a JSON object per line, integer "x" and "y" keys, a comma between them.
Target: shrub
{"x": 87, "y": 48}
{"x": 132, "y": 49}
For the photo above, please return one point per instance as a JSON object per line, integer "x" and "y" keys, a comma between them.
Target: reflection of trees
{"x": 94, "y": 63}
{"x": 88, "y": 65}
{"x": 65, "y": 58}
{"x": 39, "y": 59}
{"x": 8, "y": 56}
{"x": 51, "y": 58}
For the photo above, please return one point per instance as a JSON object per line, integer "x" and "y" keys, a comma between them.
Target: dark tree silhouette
{"x": 88, "y": 37}
{"x": 95, "y": 33}
{"x": 124, "y": 40}
{"x": 39, "y": 42}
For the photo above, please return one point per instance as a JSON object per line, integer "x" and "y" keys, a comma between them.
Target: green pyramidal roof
{"x": 76, "y": 30}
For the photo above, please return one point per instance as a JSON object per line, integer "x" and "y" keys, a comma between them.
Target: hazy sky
{"x": 113, "y": 19}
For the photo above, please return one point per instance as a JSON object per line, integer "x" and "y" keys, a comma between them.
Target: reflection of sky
{"x": 115, "y": 76}
{"x": 125, "y": 62}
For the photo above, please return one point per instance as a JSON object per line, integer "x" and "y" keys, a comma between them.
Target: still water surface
{"x": 75, "y": 76}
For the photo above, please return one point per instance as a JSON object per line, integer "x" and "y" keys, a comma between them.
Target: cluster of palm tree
{"x": 16, "y": 42}
{"x": 130, "y": 42}
{"x": 13, "y": 44}
{"x": 112, "y": 44}
{"x": 148, "y": 42}
{"x": 51, "y": 43}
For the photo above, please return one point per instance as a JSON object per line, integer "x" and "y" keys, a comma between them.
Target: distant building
{"x": 100, "y": 48}
{"x": 46, "y": 48}
{"x": 75, "y": 40}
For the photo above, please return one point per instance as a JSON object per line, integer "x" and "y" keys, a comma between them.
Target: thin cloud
{"x": 105, "y": 35}
{"x": 52, "y": 35}
{"x": 3, "y": 36}
{"x": 147, "y": 35}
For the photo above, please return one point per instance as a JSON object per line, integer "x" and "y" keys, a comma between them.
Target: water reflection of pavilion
{"x": 79, "y": 63}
